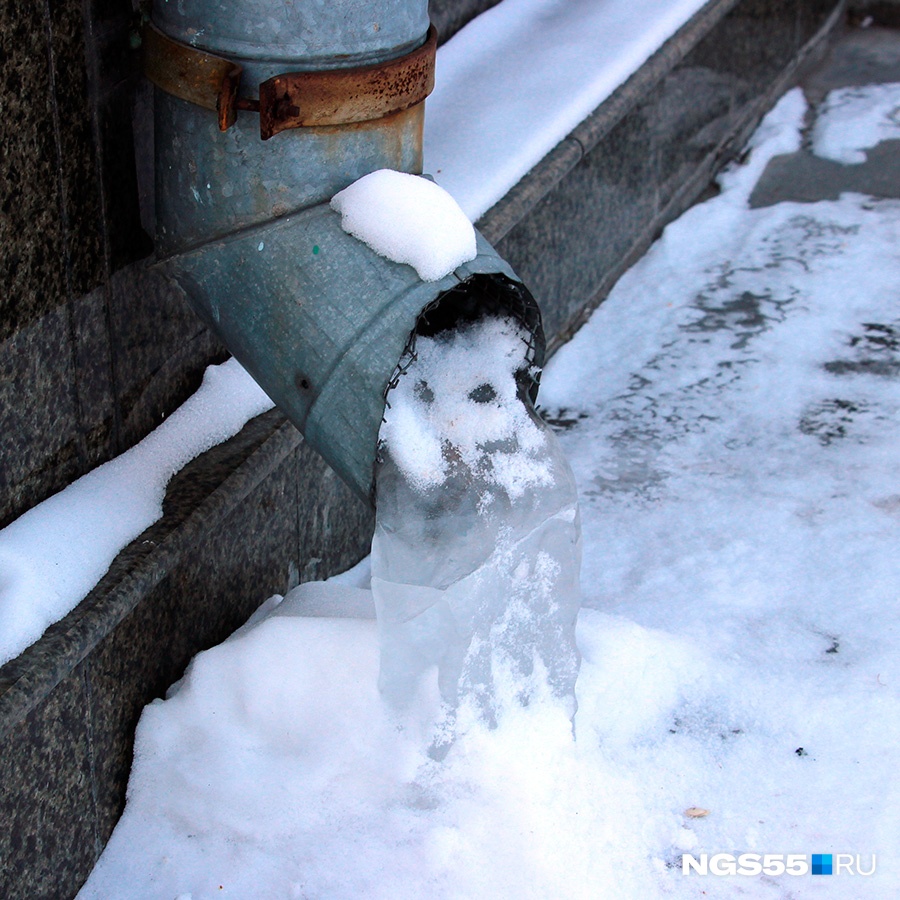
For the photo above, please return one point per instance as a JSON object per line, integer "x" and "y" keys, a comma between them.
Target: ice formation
{"x": 407, "y": 219}
{"x": 476, "y": 552}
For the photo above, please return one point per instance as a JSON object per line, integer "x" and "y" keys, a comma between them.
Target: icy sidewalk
{"x": 731, "y": 413}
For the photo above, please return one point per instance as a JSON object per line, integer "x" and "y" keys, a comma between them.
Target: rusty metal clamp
{"x": 293, "y": 99}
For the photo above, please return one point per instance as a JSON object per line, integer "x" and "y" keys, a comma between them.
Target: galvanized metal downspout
{"x": 243, "y": 221}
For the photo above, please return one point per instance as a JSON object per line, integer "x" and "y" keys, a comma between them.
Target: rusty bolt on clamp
{"x": 293, "y": 99}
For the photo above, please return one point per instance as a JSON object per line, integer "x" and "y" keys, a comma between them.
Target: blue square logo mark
{"x": 821, "y": 863}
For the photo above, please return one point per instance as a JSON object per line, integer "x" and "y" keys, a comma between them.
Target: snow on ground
{"x": 731, "y": 413}
{"x": 519, "y": 77}
{"x": 855, "y": 119}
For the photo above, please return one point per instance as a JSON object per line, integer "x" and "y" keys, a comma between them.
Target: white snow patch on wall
{"x": 519, "y": 77}
{"x": 407, "y": 219}
{"x": 53, "y": 555}
{"x": 855, "y": 119}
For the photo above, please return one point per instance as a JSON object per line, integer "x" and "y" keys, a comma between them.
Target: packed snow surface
{"x": 519, "y": 77}
{"x": 476, "y": 552}
{"x": 855, "y": 119}
{"x": 731, "y": 415}
{"x": 53, "y": 555}
{"x": 407, "y": 219}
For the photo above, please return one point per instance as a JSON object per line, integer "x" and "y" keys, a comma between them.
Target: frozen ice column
{"x": 477, "y": 546}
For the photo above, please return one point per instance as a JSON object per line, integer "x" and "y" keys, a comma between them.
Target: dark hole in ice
{"x": 484, "y": 393}
{"x": 423, "y": 392}
{"x": 878, "y": 336}
{"x": 562, "y": 419}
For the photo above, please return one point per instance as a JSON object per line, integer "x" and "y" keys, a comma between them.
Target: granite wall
{"x": 70, "y": 217}
{"x": 95, "y": 351}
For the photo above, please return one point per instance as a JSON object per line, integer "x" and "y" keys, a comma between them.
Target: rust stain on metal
{"x": 293, "y": 99}
{"x": 391, "y": 120}
{"x": 190, "y": 74}
{"x": 347, "y": 96}
{"x": 399, "y": 136}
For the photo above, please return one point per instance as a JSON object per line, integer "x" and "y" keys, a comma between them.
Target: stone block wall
{"x": 69, "y": 218}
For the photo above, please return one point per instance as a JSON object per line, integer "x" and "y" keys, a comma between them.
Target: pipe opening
{"x": 476, "y": 298}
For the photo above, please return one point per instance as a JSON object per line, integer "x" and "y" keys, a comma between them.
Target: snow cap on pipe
{"x": 407, "y": 219}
